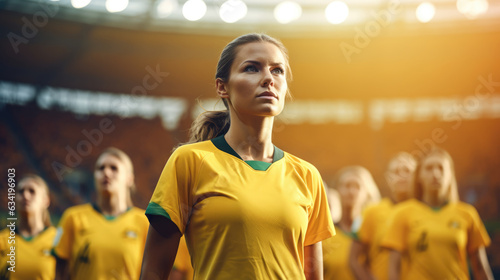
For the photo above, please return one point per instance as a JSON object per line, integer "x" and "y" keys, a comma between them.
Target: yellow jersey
{"x": 336, "y": 252}
{"x": 33, "y": 259}
{"x": 437, "y": 241}
{"x": 242, "y": 220}
{"x": 101, "y": 247}
{"x": 372, "y": 230}
{"x": 183, "y": 260}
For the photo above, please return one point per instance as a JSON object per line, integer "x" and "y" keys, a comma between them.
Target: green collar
{"x": 29, "y": 238}
{"x": 107, "y": 217}
{"x": 221, "y": 144}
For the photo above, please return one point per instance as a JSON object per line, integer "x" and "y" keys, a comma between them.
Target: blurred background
{"x": 370, "y": 78}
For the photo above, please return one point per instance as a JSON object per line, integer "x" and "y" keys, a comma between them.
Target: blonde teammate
{"x": 104, "y": 240}
{"x": 374, "y": 222}
{"x": 248, "y": 209}
{"x": 34, "y": 236}
{"x": 356, "y": 189}
{"x": 437, "y": 231}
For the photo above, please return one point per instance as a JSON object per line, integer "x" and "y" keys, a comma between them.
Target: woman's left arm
{"x": 480, "y": 266}
{"x": 313, "y": 261}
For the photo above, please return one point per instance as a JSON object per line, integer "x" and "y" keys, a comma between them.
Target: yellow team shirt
{"x": 336, "y": 252}
{"x": 372, "y": 230}
{"x": 437, "y": 241}
{"x": 244, "y": 223}
{"x": 183, "y": 260}
{"x": 32, "y": 256}
{"x": 100, "y": 247}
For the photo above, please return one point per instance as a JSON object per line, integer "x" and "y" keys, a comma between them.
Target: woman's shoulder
{"x": 78, "y": 209}
{"x": 194, "y": 149}
{"x": 299, "y": 162}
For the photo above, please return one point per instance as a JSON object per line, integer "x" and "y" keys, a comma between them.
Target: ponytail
{"x": 207, "y": 126}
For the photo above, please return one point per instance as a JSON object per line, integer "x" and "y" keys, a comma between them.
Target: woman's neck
{"x": 31, "y": 224}
{"x": 346, "y": 220}
{"x": 252, "y": 140}
{"x": 111, "y": 205}
{"x": 433, "y": 200}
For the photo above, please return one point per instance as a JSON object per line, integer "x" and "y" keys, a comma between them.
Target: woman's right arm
{"x": 394, "y": 265}
{"x": 160, "y": 250}
{"x": 61, "y": 269}
{"x": 360, "y": 270}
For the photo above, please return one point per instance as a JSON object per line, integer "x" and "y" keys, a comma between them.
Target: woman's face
{"x": 399, "y": 175}
{"x": 111, "y": 175}
{"x": 350, "y": 190}
{"x": 32, "y": 197}
{"x": 257, "y": 83}
{"x": 435, "y": 175}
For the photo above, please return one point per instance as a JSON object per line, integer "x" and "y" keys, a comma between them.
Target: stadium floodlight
{"x": 194, "y": 10}
{"x": 337, "y": 12}
{"x": 472, "y": 8}
{"x": 425, "y": 12}
{"x": 232, "y": 11}
{"x": 116, "y": 6}
{"x": 165, "y": 7}
{"x": 78, "y": 4}
{"x": 287, "y": 11}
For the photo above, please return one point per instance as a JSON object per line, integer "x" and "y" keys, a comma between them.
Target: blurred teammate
{"x": 356, "y": 189}
{"x": 437, "y": 231}
{"x": 254, "y": 211}
{"x": 34, "y": 234}
{"x": 374, "y": 224}
{"x": 182, "y": 269}
{"x": 105, "y": 239}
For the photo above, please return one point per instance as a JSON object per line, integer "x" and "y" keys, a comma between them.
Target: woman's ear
{"x": 221, "y": 87}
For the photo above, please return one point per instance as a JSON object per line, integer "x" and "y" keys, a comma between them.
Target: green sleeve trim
{"x": 156, "y": 209}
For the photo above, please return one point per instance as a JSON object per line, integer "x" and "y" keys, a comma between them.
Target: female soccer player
{"x": 437, "y": 231}
{"x": 34, "y": 234}
{"x": 356, "y": 189}
{"x": 373, "y": 226}
{"x": 248, "y": 209}
{"x": 105, "y": 239}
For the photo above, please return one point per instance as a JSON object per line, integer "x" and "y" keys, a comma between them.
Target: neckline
{"x": 30, "y": 238}
{"x": 221, "y": 144}
{"x": 108, "y": 217}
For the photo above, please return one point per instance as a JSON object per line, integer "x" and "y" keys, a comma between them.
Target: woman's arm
{"x": 394, "y": 265}
{"x": 480, "y": 266}
{"x": 160, "y": 250}
{"x": 61, "y": 269}
{"x": 313, "y": 261}
{"x": 360, "y": 270}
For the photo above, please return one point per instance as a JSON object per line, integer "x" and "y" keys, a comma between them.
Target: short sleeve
{"x": 477, "y": 234}
{"x": 171, "y": 197}
{"x": 320, "y": 224}
{"x": 397, "y": 231}
{"x": 64, "y": 236}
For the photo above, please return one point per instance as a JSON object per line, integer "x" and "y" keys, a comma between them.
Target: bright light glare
{"x": 78, "y": 4}
{"x": 116, "y": 6}
{"x": 193, "y": 10}
{"x": 472, "y": 8}
{"x": 165, "y": 7}
{"x": 337, "y": 12}
{"x": 232, "y": 11}
{"x": 287, "y": 11}
{"x": 425, "y": 12}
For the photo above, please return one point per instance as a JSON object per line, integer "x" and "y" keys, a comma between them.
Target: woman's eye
{"x": 278, "y": 71}
{"x": 250, "y": 68}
